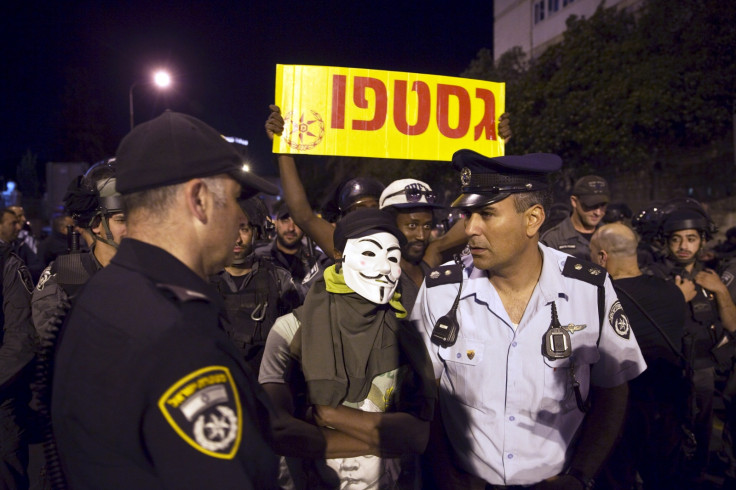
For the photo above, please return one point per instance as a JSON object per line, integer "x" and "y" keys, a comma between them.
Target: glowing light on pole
{"x": 161, "y": 79}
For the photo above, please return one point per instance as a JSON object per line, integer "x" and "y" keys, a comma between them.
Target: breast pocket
{"x": 465, "y": 374}
{"x": 558, "y": 394}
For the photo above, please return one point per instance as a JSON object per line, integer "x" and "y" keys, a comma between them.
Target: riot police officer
{"x": 255, "y": 289}
{"x": 710, "y": 316}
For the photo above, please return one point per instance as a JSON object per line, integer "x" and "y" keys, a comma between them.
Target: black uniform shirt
{"x": 148, "y": 390}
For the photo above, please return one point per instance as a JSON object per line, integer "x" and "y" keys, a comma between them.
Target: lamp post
{"x": 161, "y": 79}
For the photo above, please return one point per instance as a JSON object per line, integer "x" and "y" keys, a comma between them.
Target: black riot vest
{"x": 252, "y": 310}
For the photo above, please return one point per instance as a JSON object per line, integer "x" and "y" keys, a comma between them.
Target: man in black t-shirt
{"x": 656, "y": 308}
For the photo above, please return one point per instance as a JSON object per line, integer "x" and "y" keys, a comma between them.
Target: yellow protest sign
{"x": 386, "y": 114}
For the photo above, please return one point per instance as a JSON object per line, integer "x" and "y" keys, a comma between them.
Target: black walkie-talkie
{"x": 556, "y": 342}
{"x": 446, "y": 329}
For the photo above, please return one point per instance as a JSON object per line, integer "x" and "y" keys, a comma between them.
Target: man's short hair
{"x": 525, "y": 200}
{"x": 158, "y": 200}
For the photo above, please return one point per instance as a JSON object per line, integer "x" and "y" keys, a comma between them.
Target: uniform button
{"x": 513, "y": 344}
{"x": 512, "y": 418}
{"x": 510, "y": 456}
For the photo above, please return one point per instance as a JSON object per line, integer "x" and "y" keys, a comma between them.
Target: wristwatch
{"x": 587, "y": 482}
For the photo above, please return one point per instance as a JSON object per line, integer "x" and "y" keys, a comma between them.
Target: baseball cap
{"x": 363, "y": 222}
{"x": 485, "y": 180}
{"x": 408, "y": 193}
{"x": 174, "y": 148}
{"x": 592, "y": 190}
{"x": 282, "y": 210}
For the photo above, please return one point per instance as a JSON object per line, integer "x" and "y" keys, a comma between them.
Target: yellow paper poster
{"x": 386, "y": 114}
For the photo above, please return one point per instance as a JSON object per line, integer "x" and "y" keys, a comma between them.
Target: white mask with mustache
{"x": 371, "y": 266}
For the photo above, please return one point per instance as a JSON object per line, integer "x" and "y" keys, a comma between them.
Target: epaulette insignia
{"x": 585, "y": 271}
{"x": 444, "y": 274}
{"x": 182, "y": 294}
{"x": 204, "y": 409}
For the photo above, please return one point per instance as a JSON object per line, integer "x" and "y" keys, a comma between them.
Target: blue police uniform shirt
{"x": 509, "y": 412}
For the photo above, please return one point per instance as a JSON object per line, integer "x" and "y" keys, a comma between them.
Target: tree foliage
{"x": 621, "y": 87}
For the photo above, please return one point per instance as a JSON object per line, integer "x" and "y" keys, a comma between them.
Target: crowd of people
{"x": 199, "y": 339}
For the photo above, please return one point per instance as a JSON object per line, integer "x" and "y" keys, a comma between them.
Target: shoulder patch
{"x": 182, "y": 294}
{"x": 619, "y": 321}
{"x": 25, "y": 278}
{"x": 585, "y": 271}
{"x": 45, "y": 276}
{"x": 204, "y": 409}
{"x": 444, "y": 274}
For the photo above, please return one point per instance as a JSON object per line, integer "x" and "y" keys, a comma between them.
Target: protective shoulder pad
{"x": 182, "y": 294}
{"x": 444, "y": 274}
{"x": 585, "y": 271}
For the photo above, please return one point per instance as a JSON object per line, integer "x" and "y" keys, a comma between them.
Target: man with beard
{"x": 288, "y": 250}
{"x": 589, "y": 199}
{"x": 710, "y": 316}
{"x": 352, "y": 384}
{"x": 411, "y": 202}
{"x": 256, "y": 291}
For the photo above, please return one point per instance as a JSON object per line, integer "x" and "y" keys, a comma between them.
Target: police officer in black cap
{"x": 710, "y": 319}
{"x": 530, "y": 346}
{"x": 148, "y": 390}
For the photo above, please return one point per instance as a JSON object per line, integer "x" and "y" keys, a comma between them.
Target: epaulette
{"x": 182, "y": 294}
{"x": 584, "y": 271}
{"x": 444, "y": 274}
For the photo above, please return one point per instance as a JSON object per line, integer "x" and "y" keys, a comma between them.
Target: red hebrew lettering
{"x": 423, "y": 109}
{"x": 359, "y": 92}
{"x": 489, "y": 112}
{"x": 444, "y": 92}
{"x": 338, "y": 102}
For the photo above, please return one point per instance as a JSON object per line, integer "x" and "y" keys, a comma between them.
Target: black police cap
{"x": 487, "y": 180}
{"x": 174, "y": 148}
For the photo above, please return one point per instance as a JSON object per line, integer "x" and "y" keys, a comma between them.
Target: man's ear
{"x": 197, "y": 198}
{"x": 602, "y": 258}
{"x": 534, "y": 218}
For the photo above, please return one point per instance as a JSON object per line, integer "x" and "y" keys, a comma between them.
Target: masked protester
{"x": 348, "y": 379}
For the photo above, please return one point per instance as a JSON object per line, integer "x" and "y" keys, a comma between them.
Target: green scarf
{"x": 345, "y": 341}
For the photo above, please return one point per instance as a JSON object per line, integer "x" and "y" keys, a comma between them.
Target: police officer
{"x": 710, "y": 316}
{"x": 256, "y": 291}
{"x": 148, "y": 390}
{"x": 589, "y": 200}
{"x": 18, "y": 345}
{"x": 97, "y": 209}
{"x": 287, "y": 249}
{"x": 530, "y": 346}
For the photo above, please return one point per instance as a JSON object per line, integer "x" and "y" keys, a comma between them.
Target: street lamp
{"x": 161, "y": 79}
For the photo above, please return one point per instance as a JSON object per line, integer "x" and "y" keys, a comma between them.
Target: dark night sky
{"x": 222, "y": 54}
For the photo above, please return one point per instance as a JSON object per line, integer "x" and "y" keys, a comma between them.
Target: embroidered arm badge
{"x": 204, "y": 409}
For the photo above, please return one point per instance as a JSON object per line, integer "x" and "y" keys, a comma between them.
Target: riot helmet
{"x": 92, "y": 198}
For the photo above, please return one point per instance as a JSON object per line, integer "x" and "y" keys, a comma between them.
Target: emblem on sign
{"x": 306, "y": 132}
{"x": 203, "y": 408}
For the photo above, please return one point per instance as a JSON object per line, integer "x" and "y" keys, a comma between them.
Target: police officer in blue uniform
{"x": 530, "y": 346}
{"x": 148, "y": 390}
